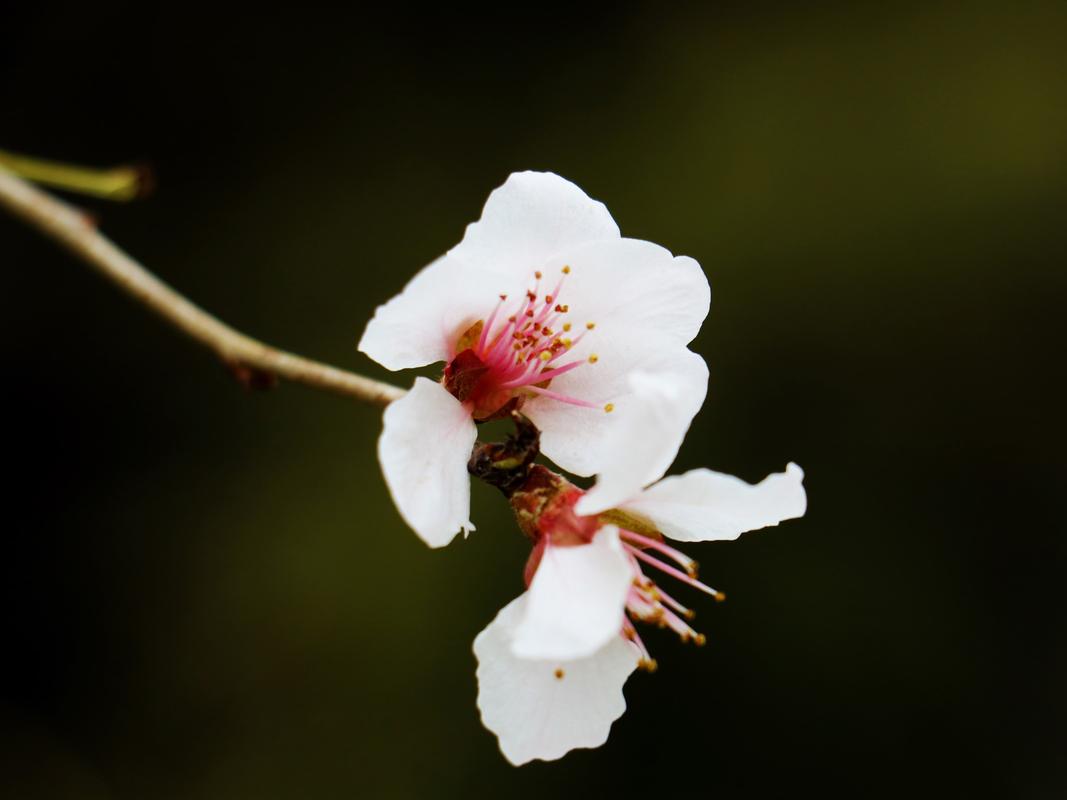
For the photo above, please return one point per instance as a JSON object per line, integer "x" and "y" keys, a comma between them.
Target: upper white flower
{"x": 551, "y": 666}
{"x": 544, "y": 305}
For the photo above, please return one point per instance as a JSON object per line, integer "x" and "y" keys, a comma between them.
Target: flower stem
{"x": 248, "y": 358}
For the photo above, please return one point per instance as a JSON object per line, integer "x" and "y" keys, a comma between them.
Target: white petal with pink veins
{"x": 543, "y": 708}
{"x": 576, "y": 600}
{"x": 424, "y": 448}
{"x": 702, "y": 505}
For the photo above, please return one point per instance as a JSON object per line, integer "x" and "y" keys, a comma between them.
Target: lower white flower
{"x": 543, "y": 708}
{"x": 590, "y": 577}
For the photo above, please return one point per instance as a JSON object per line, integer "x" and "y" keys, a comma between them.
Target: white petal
{"x": 588, "y": 441}
{"x": 633, "y": 285}
{"x": 576, "y": 600}
{"x": 421, "y": 325}
{"x": 424, "y": 448}
{"x": 651, "y": 422}
{"x": 534, "y": 713}
{"x": 702, "y": 505}
{"x": 527, "y": 220}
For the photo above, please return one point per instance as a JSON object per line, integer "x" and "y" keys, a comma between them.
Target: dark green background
{"x": 207, "y": 593}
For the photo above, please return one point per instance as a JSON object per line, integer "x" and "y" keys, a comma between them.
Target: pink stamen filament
{"x": 513, "y": 322}
{"x": 663, "y": 597}
{"x": 678, "y": 625}
{"x": 654, "y": 544}
{"x": 646, "y": 602}
{"x": 537, "y": 377}
{"x": 642, "y": 606}
{"x": 674, "y": 573}
{"x": 574, "y": 401}
{"x": 630, "y": 632}
{"x": 489, "y": 325}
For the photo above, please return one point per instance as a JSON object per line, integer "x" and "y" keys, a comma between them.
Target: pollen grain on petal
{"x": 566, "y": 269}
{"x": 609, "y": 407}
{"x": 594, "y": 358}
{"x": 559, "y": 673}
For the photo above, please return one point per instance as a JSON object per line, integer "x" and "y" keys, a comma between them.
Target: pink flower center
{"x": 508, "y": 357}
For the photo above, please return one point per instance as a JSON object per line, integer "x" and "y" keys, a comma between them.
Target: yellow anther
{"x": 609, "y": 407}
{"x": 537, "y": 275}
{"x": 590, "y": 325}
{"x": 700, "y": 640}
{"x": 566, "y": 270}
{"x": 593, "y": 358}
{"x": 689, "y": 614}
{"x": 647, "y": 664}
{"x": 559, "y": 673}
{"x": 567, "y": 342}
{"x": 545, "y": 356}
{"x": 566, "y": 327}
{"x": 719, "y": 597}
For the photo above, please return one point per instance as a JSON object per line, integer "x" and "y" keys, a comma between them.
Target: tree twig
{"x": 247, "y": 357}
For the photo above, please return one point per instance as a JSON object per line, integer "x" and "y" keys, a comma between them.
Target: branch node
{"x": 253, "y": 379}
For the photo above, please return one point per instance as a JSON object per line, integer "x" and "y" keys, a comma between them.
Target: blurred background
{"x": 208, "y": 594}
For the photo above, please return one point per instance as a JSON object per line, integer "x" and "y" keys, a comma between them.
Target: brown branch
{"x": 248, "y": 358}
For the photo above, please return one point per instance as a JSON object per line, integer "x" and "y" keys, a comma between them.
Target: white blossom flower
{"x": 552, "y": 665}
{"x": 542, "y": 305}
